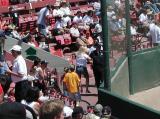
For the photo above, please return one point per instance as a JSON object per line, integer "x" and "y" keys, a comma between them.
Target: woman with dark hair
{"x": 31, "y": 100}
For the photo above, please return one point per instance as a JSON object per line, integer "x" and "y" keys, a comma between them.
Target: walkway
{"x": 150, "y": 98}
{"x": 90, "y": 98}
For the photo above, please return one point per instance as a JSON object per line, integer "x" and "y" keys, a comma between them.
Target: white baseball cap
{"x": 16, "y": 48}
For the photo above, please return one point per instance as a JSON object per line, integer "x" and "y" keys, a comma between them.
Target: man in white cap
{"x": 19, "y": 73}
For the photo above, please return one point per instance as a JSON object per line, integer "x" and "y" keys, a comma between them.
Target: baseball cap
{"x": 67, "y": 111}
{"x": 2, "y": 33}
{"x": 44, "y": 62}
{"x": 16, "y": 48}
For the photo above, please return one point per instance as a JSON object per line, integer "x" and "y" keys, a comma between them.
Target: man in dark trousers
{"x": 98, "y": 64}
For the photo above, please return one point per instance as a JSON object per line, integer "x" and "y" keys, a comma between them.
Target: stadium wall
{"x": 124, "y": 108}
{"x": 145, "y": 70}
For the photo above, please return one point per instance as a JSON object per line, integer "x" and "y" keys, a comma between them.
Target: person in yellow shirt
{"x": 72, "y": 82}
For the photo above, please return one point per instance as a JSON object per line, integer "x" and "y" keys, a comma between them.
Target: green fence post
{"x": 129, "y": 45}
{"x": 107, "y": 82}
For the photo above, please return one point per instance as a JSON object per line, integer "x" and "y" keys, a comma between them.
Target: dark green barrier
{"x": 124, "y": 108}
{"x": 120, "y": 78}
{"x": 146, "y": 69}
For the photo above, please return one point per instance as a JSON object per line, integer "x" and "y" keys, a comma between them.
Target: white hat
{"x": 16, "y": 48}
{"x": 67, "y": 111}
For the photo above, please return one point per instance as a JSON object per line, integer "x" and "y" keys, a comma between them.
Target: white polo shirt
{"x": 19, "y": 66}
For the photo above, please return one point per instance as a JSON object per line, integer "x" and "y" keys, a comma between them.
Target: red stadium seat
{"x": 57, "y": 52}
{"x": 4, "y": 2}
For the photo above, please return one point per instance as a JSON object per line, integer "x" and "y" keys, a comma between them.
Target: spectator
{"x": 41, "y": 76}
{"x": 88, "y": 19}
{"x": 106, "y": 112}
{"x": 1, "y": 94}
{"x": 143, "y": 18}
{"x": 57, "y": 11}
{"x": 2, "y": 40}
{"x": 78, "y": 17}
{"x": 110, "y": 12}
{"x": 66, "y": 70}
{"x": 59, "y": 23}
{"x": 42, "y": 17}
{"x": 31, "y": 41}
{"x": 154, "y": 31}
{"x": 114, "y": 25}
{"x": 31, "y": 100}
{"x": 77, "y": 113}
{"x": 98, "y": 110}
{"x": 81, "y": 66}
{"x": 14, "y": 15}
{"x": 19, "y": 73}
{"x": 65, "y": 9}
{"x": 98, "y": 62}
{"x": 52, "y": 109}
{"x": 72, "y": 83}
{"x": 97, "y": 7}
{"x": 12, "y": 110}
{"x": 151, "y": 6}
{"x": 74, "y": 31}
{"x": 66, "y": 21}
{"x": 3, "y": 65}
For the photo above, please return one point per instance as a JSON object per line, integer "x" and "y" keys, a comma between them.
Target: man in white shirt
{"x": 57, "y": 11}
{"x": 78, "y": 17}
{"x": 66, "y": 21}
{"x": 65, "y": 9}
{"x": 154, "y": 31}
{"x": 88, "y": 19}
{"x": 74, "y": 30}
{"x": 42, "y": 16}
{"x": 59, "y": 23}
{"x": 19, "y": 73}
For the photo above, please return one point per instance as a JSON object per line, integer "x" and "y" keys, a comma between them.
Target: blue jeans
{"x": 42, "y": 29}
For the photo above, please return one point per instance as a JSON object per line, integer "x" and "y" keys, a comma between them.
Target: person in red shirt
{"x": 1, "y": 94}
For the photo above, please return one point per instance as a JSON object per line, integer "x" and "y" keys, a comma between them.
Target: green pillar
{"x": 129, "y": 45}
{"x": 107, "y": 82}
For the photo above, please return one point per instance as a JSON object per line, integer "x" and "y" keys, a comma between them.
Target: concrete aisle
{"x": 150, "y": 98}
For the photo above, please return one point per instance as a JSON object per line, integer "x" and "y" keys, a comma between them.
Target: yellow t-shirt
{"x": 72, "y": 81}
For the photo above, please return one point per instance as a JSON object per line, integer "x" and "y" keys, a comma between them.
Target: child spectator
{"x": 31, "y": 100}
{"x": 72, "y": 83}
